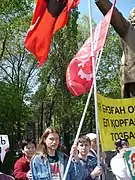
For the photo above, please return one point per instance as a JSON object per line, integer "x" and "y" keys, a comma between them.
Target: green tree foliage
{"x": 108, "y": 78}
{"x": 18, "y": 68}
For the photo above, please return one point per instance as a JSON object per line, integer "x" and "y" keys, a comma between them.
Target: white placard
{"x": 4, "y": 146}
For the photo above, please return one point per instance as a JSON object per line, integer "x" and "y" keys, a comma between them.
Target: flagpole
{"x": 85, "y": 110}
{"x": 78, "y": 132}
{"x": 89, "y": 95}
{"x": 82, "y": 119}
{"x": 94, "y": 81}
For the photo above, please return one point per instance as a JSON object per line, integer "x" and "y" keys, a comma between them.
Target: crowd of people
{"x": 47, "y": 161}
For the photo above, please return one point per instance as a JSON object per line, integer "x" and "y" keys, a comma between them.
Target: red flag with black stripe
{"x": 49, "y": 16}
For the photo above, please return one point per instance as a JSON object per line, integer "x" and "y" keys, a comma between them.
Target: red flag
{"x": 79, "y": 75}
{"x": 49, "y": 16}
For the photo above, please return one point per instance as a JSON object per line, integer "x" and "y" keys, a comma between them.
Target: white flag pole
{"x": 85, "y": 109}
{"x": 78, "y": 132}
{"x": 94, "y": 81}
{"x": 82, "y": 119}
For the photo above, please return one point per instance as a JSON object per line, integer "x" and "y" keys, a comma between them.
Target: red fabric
{"x": 44, "y": 25}
{"x": 21, "y": 167}
{"x": 79, "y": 75}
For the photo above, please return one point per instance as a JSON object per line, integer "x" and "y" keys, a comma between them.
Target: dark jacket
{"x": 127, "y": 33}
{"x": 21, "y": 167}
{"x": 87, "y": 168}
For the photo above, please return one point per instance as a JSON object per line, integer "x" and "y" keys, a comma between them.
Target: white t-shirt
{"x": 55, "y": 171}
{"x": 119, "y": 168}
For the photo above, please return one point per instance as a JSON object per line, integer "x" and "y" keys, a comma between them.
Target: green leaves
{"x": 18, "y": 68}
{"x": 108, "y": 74}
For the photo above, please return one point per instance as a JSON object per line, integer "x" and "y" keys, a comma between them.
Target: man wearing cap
{"x": 93, "y": 150}
{"x": 92, "y": 137}
{"x": 93, "y": 153}
{"x": 126, "y": 30}
{"x": 118, "y": 164}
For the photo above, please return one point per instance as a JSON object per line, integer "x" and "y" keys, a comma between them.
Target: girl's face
{"x": 52, "y": 141}
{"x": 29, "y": 150}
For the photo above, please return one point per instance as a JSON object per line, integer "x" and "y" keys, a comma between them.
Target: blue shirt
{"x": 87, "y": 168}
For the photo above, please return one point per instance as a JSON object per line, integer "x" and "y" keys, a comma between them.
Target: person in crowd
{"x": 22, "y": 165}
{"x": 126, "y": 30}
{"x": 118, "y": 164}
{"x": 93, "y": 150}
{"x": 93, "y": 153}
{"x": 89, "y": 170}
{"x": 49, "y": 163}
{"x": 93, "y": 140}
{"x": 5, "y": 177}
